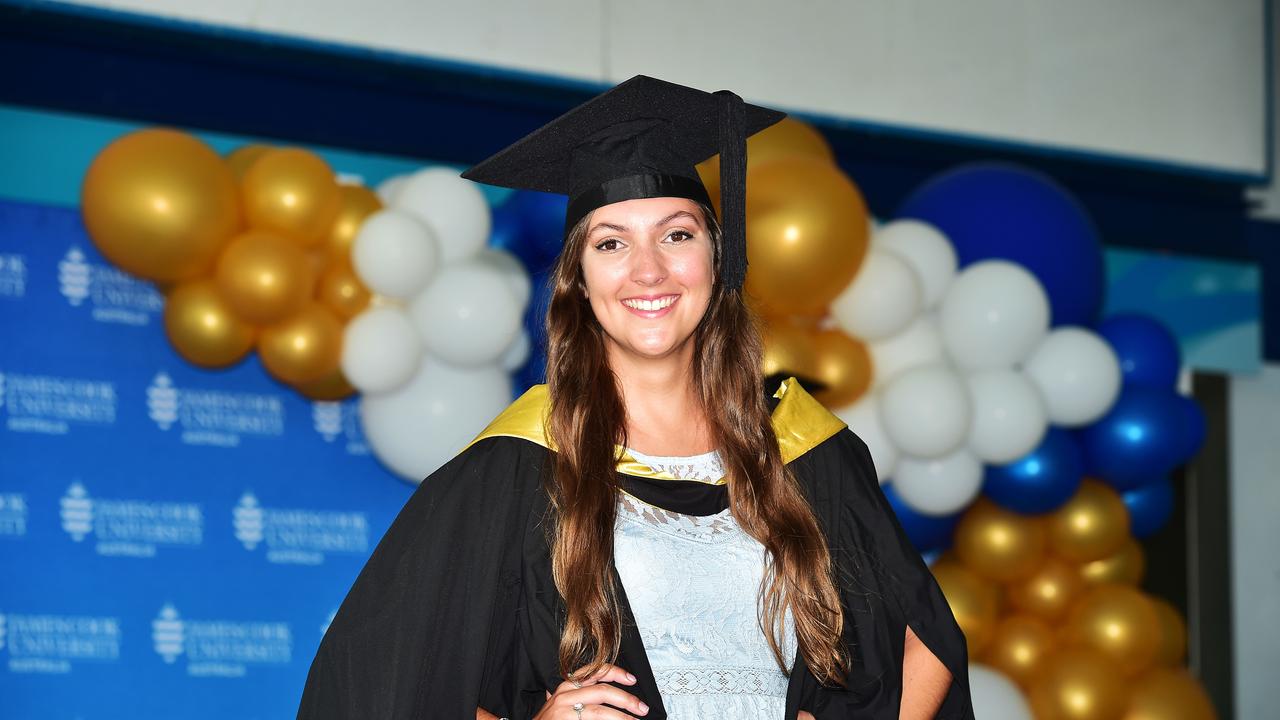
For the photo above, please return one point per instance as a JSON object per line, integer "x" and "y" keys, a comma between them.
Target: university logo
{"x": 13, "y": 515}
{"x": 13, "y": 275}
{"x": 298, "y": 537}
{"x": 51, "y": 404}
{"x": 213, "y": 417}
{"x": 113, "y": 295}
{"x": 340, "y": 421}
{"x": 50, "y": 644}
{"x": 219, "y": 648}
{"x": 132, "y": 528}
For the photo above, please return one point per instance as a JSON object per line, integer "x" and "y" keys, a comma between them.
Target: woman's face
{"x": 648, "y": 269}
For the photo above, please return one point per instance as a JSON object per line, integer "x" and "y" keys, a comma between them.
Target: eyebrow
{"x": 660, "y": 223}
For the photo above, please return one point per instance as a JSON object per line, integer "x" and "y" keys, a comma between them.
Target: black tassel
{"x": 733, "y": 188}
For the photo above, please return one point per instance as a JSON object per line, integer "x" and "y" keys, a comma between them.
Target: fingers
{"x": 606, "y": 673}
{"x": 594, "y": 693}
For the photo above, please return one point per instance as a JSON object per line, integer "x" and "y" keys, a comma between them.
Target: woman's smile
{"x": 650, "y": 306}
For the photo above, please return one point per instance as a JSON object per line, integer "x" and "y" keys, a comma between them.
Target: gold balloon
{"x": 292, "y": 192}
{"x": 202, "y": 327}
{"x": 356, "y": 203}
{"x": 333, "y": 386}
{"x": 160, "y": 204}
{"x": 843, "y": 366}
{"x": 341, "y": 291}
{"x": 806, "y": 234}
{"x": 242, "y": 157}
{"x": 788, "y": 349}
{"x": 1117, "y": 621}
{"x": 1171, "y": 650}
{"x": 1125, "y": 566}
{"x": 1092, "y": 525}
{"x": 973, "y": 601}
{"x": 788, "y": 137}
{"x": 1018, "y": 646}
{"x": 303, "y": 349}
{"x": 1048, "y": 592}
{"x": 1169, "y": 694}
{"x": 1077, "y": 684}
{"x": 999, "y": 544}
{"x": 264, "y": 278}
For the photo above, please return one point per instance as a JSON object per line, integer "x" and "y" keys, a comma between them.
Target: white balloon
{"x": 881, "y": 300}
{"x": 1079, "y": 374}
{"x": 1009, "y": 416}
{"x": 420, "y": 426}
{"x": 863, "y": 418}
{"x": 381, "y": 350}
{"x": 995, "y": 696}
{"x": 919, "y": 344}
{"x": 939, "y": 486}
{"x": 515, "y": 356}
{"x": 993, "y": 315}
{"x": 926, "y": 249}
{"x": 388, "y": 188}
{"x": 468, "y": 315}
{"x": 454, "y": 208}
{"x": 926, "y": 410}
{"x": 395, "y": 254}
{"x": 513, "y": 270}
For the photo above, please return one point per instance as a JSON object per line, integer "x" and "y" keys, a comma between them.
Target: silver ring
{"x": 577, "y": 708}
{"x": 576, "y": 684}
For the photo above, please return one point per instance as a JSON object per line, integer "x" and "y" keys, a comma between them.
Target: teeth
{"x": 650, "y": 305}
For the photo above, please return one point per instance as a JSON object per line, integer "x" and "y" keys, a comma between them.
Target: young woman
{"x": 651, "y": 533}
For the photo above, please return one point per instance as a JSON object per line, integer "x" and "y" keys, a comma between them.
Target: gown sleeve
{"x": 885, "y": 586}
{"x": 431, "y": 626}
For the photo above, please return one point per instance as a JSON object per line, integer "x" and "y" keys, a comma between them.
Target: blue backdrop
{"x": 173, "y": 541}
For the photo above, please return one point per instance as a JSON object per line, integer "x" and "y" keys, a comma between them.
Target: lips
{"x": 650, "y": 307}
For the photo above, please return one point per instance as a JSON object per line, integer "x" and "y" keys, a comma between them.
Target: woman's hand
{"x": 598, "y": 700}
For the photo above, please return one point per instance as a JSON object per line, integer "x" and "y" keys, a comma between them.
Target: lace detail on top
{"x": 706, "y": 467}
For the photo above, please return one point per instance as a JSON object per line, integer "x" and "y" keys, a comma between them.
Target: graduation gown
{"x": 456, "y": 608}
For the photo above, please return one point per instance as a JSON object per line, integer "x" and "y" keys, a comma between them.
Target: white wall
{"x": 1171, "y": 81}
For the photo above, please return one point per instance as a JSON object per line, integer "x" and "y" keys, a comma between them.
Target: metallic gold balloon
{"x": 788, "y": 137}
{"x": 1018, "y": 646}
{"x": 807, "y": 233}
{"x": 203, "y": 328}
{"x": 1077, "y": 684}
{"x": 292, "y": 192}
{"x": 264, "y": 278}
{"x": 356, "y": 203}
{"x": 341, "y": 291}
{"x": 1169, "y": 694}
{"x": 843, "y": 366}
{"x": 973, "y": 603}
{"x": 1092, "y": 525}
{"x": 1171, "y": 650}
{"x": 1048, "y": 592}
{"x": 999, "y": 544}
{"x": 331, "y": 387}
{"x": 1117, "y": 621}
{"x": 305, "y": 348}
{"x": 1125, "y": 566}
{"x": 160, "y": 204}
{"x": 242, "y": 157}
{"x": 788, "y": 349}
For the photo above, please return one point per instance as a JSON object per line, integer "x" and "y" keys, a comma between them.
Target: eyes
{"x": 614, "y": 244}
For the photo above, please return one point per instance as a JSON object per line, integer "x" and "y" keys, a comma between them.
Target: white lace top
{"x": 692, "y": 584}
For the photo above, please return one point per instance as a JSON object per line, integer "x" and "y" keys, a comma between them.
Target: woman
{"x": 649, "y": 534}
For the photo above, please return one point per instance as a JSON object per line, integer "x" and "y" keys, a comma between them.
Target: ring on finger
{"x": 577, "y": 708}
{"x": 576, "y": 684}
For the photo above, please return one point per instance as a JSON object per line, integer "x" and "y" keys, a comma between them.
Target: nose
{"x": 647, "y": 265}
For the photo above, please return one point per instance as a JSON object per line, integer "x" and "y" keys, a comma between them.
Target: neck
{"x": 664, "y": 413}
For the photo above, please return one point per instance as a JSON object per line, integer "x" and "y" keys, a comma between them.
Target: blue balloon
{"x": 1140, "y": 438}
{"x": 543, "y": 217}
{"x": 929, "y": 533}
{"x": 1149, "y": 507}
{"x": 1147, "y": 350}
{"x": 1001, "y": 210}
{"x": 1193, "y": 428}
{"x": 508, "y": 232}
{"x": 1040, "y": 481}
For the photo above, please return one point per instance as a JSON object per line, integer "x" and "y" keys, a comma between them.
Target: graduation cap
{"x": 641, "y": 139}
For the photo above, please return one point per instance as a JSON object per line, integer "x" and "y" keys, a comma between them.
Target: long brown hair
{"x": 587, "y": 423}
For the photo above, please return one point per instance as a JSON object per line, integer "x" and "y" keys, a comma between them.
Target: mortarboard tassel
{"x": 733, "y": 188}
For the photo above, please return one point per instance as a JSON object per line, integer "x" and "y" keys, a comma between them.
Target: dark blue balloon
{"x": 928, "y": 533}
{"x": 1140, "y": 438}
{"x": 543, "y": 217}
{"x": 1147, "y": 350}
{"x": 1001, "y": 210}
{"x": 508, "y": 232}
{"x": 1149, "y": 507}
{"x": 1193, "y": 428}
{"x": 1040, "y": 481}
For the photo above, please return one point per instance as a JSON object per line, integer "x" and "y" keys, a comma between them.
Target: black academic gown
{"x": 456, "y": 607}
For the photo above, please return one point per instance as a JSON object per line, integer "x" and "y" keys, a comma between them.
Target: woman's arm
{"x": 925, "y": 680}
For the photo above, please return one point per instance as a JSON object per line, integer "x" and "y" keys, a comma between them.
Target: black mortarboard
{"x": 641, "y": 139}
